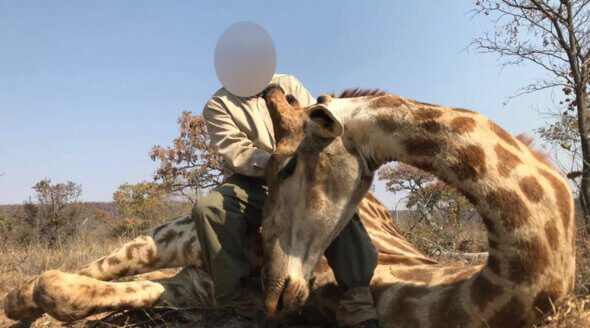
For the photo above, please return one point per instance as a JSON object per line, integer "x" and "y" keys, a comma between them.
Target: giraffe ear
{"x": 324, "y": 122}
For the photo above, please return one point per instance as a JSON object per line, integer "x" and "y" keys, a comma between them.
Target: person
{"x": 240, "y": 129}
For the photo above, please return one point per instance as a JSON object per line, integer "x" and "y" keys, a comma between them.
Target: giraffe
{"x": 89, "y": 290}
{"x": 320, "y": 171}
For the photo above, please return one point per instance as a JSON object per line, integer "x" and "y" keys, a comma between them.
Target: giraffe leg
{"x": 173, "y": 244}
{"x": 69, "y": 297}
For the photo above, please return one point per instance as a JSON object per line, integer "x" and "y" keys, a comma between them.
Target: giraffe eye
{"x": 289, "y": 168}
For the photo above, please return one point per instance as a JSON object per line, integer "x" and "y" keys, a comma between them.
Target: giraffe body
{"x": 530, "y": 266}
{"x": 330, "y": 160}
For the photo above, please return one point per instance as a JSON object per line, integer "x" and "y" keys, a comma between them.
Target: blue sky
{"x": 86, "y": 88}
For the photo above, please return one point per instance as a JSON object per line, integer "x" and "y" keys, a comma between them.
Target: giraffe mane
{"x": 358, "y": 92}
{"x": 529, "y": 142}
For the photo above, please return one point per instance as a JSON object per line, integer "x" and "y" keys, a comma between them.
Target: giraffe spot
{"x": 471, "y": 163}
{"x": 186, "y": 220}
{"x": 112, "y": 260}
{"x": 424, "y": 166}
{"x": 502, "y": 134}
{"x": 107, "y": 291}
{"x": 187, "y": 247}
{"x": 130, "y": 248}
{"x": 551, "y": 233}
{"x": 510, "y": 207}
{"x": 530, "y": 262}
{"x": 129, "y": 290}
{"x": 531, "y": 188}
{"x": 447, "y": 311}
{"x": 507, "y": 161}
{"x": 562, "y": 198}
{"x": 419, "y": 275}
{"x": 494, "y": 264}
{"x": 462, "y": 124}
{"x": 159, "y": 228}
{"x": 463, "y": 110}
{"x": 489, "y": 224}
{"x": 421, "y": 146}
{"x": 493, "y": 244}
{"x": 483, "y": 291}
{"x": 425, "y": 113}
{"x": 403, "y": 307}
{"x": 168, "y": 237}
{"x": 431, "y": 126}
{"x": 385, "y": 101}
{"x": 511, "y": 315}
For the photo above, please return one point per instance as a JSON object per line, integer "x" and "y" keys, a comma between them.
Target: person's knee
{"x": 205, "y": 209}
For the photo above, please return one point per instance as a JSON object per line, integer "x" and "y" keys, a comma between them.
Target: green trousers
{"x": 231, "y": 211}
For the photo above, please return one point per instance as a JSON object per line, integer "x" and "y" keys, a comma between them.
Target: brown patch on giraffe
{"x": 418, "y": 274}
{"x": 159, "y": 228}
{"x": 187, "y": 247}
{"x": 552, "y": 235}
{"x": 107, "y": 291}
{"x": 447, "y": 311}
{"x": 186, "y": 220}
{"x": 483, "y": 291}
{"x": 424, "y": 166}
{"x": 129, "y": 289}
{"x": 531, "y": 188}
{"x": 507, "y": 161}
{"x": 422, "y": 146}
{"x": 494, "y": 264}
{"x": 471, "y": 163}
{"x": 510, "y": 207}
{"x": 130, "y": 248}
{"x": 403, "y": 306}
{"x": 112, "y": 260}
{"x": 431, "y": 126}
{"x": 502, "y": 134}
{"x": 530, "y": 262}
{"x": 167, "y": 238}
{"x": 463, "y": 110}
{"x": 562, "y": 198}
{"x": 425, "y": 113}
{"x": 385, "y": 101}
{"x": 462, "y": 124}
{"x": 511, "y": 315}
{"x": 493, "y": 244}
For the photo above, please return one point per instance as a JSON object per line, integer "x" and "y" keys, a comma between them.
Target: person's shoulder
{"x": 285, "y": 80}
{"x": 220, "y": 96}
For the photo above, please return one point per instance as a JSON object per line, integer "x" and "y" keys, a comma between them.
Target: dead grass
{"x": 18, "y": 262}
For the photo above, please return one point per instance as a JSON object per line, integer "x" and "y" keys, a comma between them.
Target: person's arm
{"x": 234, "y": 146}
{"x": 301, "y": 94}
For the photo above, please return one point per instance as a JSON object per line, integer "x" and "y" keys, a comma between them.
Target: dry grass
{"x": 18, "y": 262}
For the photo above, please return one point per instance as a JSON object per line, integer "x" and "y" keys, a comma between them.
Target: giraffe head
{"x": 315, "y": 181}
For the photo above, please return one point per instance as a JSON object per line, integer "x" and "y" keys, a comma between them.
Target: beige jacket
{"x": 241, "y": 128}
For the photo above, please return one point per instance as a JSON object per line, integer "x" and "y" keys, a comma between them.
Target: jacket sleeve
{"x": 237, "y": 150}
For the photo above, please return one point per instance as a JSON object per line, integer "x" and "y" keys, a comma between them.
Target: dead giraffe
{"x": 87, "y": 290}
{"x": 327, "y": 165}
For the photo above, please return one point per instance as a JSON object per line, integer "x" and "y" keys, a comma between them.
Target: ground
{"x": 22, "y": 259}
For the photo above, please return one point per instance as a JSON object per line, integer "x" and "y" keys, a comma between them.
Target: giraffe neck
{"x": 525, "y": 204}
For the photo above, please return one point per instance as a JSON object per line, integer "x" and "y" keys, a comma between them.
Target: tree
{"x": 430, "y": 197}
{"x": 56, "y": 207}
{"x": 140, "y": 200}
{"x": 191, "y": 164}
{"x": 554, "y": 35}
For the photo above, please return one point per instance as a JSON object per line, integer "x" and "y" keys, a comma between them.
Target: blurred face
{"x": 315, "y": 181}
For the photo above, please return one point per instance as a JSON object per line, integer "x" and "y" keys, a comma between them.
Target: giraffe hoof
{"x": 19, "y": 304}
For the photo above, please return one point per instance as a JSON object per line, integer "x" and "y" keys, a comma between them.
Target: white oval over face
{"x": 245, "y": 59}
